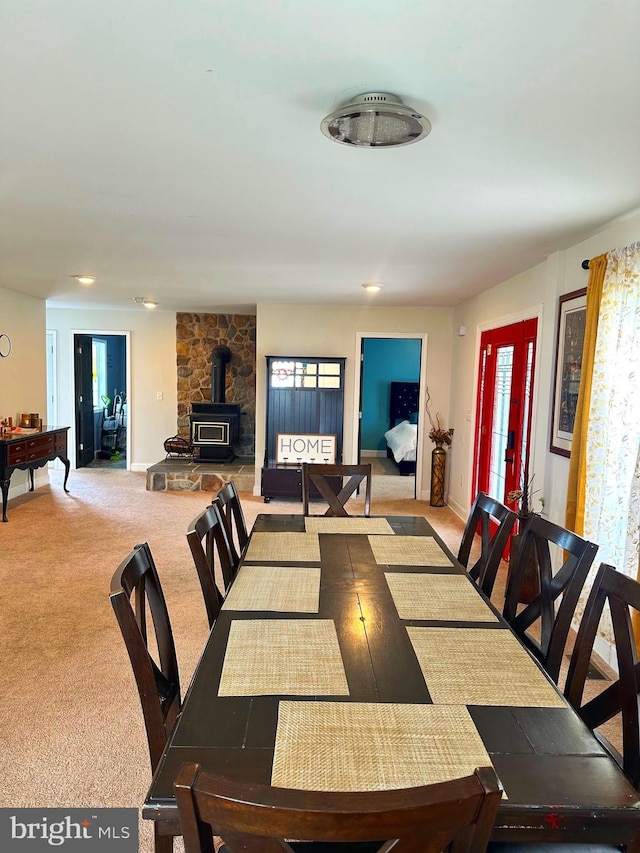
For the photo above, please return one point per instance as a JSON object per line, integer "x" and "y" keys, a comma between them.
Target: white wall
{"x": 23, "y": 375}
{"x": 331, "y": 330}
{"x": 152, "y": 369}
{"x": 532, "y": 293}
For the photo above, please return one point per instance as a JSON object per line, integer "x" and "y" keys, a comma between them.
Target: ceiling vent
{"x": 375, "y": 120}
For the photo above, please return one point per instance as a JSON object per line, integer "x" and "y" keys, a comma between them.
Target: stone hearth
{"x": 177, "y": 475}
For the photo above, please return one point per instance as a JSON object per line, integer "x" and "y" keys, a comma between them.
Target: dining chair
{"x": 494, "y": 522}
{"x": 207, "y": 536}
{"x": 335, "y": 493}
{"x": 622, "y": 594}
{"x": 228, "y": 502}
{"x": 550, "y": 624}
{"x": 257, "y": 818}
{"x": 158, "y": 683}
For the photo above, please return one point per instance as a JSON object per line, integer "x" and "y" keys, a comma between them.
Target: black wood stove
{"x": 215, "y": 426}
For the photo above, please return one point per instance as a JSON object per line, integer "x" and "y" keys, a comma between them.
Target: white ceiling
{"x": 172, "y": 148}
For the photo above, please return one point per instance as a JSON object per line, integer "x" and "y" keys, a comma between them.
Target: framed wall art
{"x": 572, "y": 315}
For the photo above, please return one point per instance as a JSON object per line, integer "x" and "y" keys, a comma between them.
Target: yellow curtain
{"x": 574, "y": 515}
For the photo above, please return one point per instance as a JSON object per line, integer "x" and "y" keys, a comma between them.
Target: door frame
{"x": 423, "y": 338}
{"x": 71, "y": 452}
{"x": 532, "y": 313}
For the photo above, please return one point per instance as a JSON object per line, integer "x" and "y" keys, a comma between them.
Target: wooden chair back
{"x": 622, "y": 593}
{"x": 257, "y": 818}
{"x": 207, "y": 536}
{"x": 319, "y": 475}
{"x": 228, "y": 502}
{"x": 494, "y": 522}
{"x": 553, "y": 625}
{"x": 158, "y": 682}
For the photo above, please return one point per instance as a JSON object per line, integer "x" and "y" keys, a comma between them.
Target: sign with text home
{"x": 296, "y": 448}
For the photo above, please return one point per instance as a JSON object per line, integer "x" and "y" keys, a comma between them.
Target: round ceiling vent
{"x": 375, "y": 120}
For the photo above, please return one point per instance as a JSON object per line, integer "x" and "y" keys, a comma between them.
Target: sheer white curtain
{"x": 612, "y": 503}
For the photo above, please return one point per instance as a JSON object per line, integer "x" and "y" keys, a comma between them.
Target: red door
{"x": 503, "y": 414}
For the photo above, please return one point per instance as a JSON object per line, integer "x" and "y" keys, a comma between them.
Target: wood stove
{"x": 215, "y": 426}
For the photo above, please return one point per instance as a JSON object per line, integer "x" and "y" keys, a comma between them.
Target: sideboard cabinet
{"x": 305, "y": 396}
{"x": 28, "y": 452}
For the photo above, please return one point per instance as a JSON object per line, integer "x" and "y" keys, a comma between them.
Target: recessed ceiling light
{"x": 372, "y": 288}
{"x": 85, "y": 279}
{"x": 142, "y": 300}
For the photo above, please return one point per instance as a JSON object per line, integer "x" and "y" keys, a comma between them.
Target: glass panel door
{"x": 503, "y": 416}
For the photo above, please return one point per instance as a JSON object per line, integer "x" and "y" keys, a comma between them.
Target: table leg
{"x": 31, "y": 486}
{"x": 67, "y": 465}
{"x": 4, "y": 485}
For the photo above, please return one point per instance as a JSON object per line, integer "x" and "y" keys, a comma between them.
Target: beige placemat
{"x": 321, "y": 524}
{"x": 480, "y": 666}
{"x": 291, "y": 657}
{"x": 446, "y": 597}
{"x": 289, "y": 589}
{"x": 408, "y": 551}
{"x": 284, "y": 546}
{"x": 357, "y": 746}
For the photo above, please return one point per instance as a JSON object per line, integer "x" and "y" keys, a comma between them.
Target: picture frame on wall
{"x": 572, "y": 315}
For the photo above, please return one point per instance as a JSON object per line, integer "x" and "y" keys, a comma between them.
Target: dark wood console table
{"x": 28, "y": 452}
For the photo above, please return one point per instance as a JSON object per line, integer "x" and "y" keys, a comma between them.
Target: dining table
{"x": 357, "y": 654}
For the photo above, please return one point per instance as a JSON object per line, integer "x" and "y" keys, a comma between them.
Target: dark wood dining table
{"x": 412, "y": 637}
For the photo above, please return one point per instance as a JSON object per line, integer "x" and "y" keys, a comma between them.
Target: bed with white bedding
{"x": 402, "y": 435}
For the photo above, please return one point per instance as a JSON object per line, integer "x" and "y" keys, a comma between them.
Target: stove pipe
{"x": 220, "y": 357}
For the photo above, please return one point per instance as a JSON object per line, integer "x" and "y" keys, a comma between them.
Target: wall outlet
{"x": 159, "y": 395}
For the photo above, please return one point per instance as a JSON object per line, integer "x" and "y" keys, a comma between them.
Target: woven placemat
{"x": 290, "y": 657}
{"x": 356, "y": 746}
{"x": 320, "y": 524}
{"x": 288, "y": 589}
{"x": 285, "y": 547}
{"x": 480, "y": 666}
{"x": 446, "y": 597}
{"x": 408, "y": 551}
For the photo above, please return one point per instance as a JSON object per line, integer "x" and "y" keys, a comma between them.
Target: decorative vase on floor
{"x": 530, "y": 588}
{"x": 438, "y": 470}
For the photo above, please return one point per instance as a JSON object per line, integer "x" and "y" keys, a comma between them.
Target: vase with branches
{"x": 523, "y": 498}
{"x": 437, "y": 433}
{"x": 440, "y": 436}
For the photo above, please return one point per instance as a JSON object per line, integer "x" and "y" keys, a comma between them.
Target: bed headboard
{"x": 403, "y": 401}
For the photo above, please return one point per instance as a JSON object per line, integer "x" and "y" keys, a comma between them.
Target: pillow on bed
{"x": 402, "y": 439}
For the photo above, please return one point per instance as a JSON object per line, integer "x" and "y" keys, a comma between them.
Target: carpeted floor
{"x": 71, "y": 731}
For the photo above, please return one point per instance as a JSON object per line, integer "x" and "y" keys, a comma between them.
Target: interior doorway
{"x": 100, "y": 394}
{"x": 504, "y": 406}
{"x": 388, "y": 364}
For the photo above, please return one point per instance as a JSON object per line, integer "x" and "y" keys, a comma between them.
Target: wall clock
{"x": 5, "y": 345}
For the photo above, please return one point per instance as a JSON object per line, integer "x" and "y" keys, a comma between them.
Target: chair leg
{"x": 162, "y": 843}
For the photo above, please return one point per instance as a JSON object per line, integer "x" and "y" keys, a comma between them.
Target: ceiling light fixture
{"x": 85, "y": 279}
{"x": 375, "y": 120}
{"x": 372, "y": 288}
{"x": 142, "y": 300}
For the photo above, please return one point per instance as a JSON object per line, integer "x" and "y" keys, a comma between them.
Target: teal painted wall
{"x": 385, "y": 360}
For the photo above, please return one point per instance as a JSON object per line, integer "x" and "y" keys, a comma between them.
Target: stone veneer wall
{"x": 197, "y": 335}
